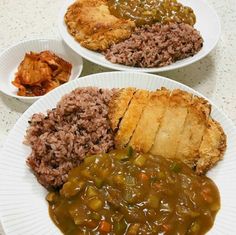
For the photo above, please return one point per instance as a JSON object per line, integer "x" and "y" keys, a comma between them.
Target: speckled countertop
{"x": 214, "y": 76}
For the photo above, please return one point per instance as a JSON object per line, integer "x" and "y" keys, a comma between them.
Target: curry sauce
{"x": 151, "y": 11}
{"x": 123, "y": 192}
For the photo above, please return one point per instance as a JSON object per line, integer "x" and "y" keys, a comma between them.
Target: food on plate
{"x": 198, "y": 113}
{"x": 128, "y": 161}
{"x": 124, "y": 96}
{"x": 152, "y": 114}
{"x": 123, "y": 192}
{"x": 131, "y": 118}
{"x": 61, "y": 138}
{"x": 152, "y": 11}
{"x": 172, "y": 124}
{"x": 39, "y": 73}
{"x": 212, "y": 146}
{"x": 94, "y": 27}
{"x": 142, "y": 33}
{"x": 156, "y": 45}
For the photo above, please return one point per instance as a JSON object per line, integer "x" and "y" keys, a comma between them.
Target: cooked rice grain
{"x": 156, "y": 45}
{"x": 61, "y": 139}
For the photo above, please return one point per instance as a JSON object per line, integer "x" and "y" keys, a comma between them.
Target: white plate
{"x": 23, "y": 207}
{"x": 12, "y": 56}
{"x": 207, "y": 23}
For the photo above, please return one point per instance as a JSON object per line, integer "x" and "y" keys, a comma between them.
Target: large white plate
{"x": 23, "y": 207}
{"x": 207, "y": 23}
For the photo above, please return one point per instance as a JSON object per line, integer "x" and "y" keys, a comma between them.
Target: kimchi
{"x": 39, "y": 73}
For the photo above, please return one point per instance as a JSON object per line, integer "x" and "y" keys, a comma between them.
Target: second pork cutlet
{"x": 145, "y": 132}
{"x": 94, "y": 27}
{"x": 118, "y": 105}
{"x": 131, "y": 118}
{"x": 167, "y": 138}
{"x": 194, "y": 128}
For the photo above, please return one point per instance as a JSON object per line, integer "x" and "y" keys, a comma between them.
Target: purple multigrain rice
{"x": 156, "y": 45}
{"x": 76, "y": 127}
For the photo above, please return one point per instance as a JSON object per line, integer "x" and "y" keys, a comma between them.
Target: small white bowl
{"x": 12, "y": 56}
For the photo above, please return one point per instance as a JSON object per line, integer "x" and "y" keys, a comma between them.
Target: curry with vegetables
{"x": 151, "y": 11}
{"x": 124, "y": 192}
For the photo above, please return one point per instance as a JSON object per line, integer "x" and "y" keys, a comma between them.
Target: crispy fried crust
{"x": 173, "y": 126}
{"x": 131, "y": 118}
{"x": 144, "y": 135}
{"x": 167, "y": 138}
{"x": 194, "y": 128}
{"x": 212, "y": 147}
{"x": 92, "y": 24}
{"x": 118, "y": 105}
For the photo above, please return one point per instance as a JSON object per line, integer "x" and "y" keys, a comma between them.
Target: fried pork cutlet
{"x": 152, "y": 114}
{"x": 167, "y": 138}
{"x": 131, "y": 118}
{"x": 194, "y": 128}
{"x": 212, "y": 147}
{"x": 94, "y": 27}
{"x": 118, "y": 106}
{"x": 171, "y": 124}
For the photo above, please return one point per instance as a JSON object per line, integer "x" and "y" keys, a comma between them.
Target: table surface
{"x": 214, "y": 76}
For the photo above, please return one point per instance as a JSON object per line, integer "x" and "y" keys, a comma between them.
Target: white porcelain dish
{"x": 12, "y": 56}
{"x": 23, "y": 207}
{"x": 207, "y": 23}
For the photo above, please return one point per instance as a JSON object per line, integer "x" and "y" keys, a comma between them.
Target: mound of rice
{"x": 156, "y": 45}
{"x": 60, "y": 140}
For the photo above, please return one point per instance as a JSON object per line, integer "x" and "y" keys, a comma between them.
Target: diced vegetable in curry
{"x": 151, "y": 11}
{"x": 123, "y": 192}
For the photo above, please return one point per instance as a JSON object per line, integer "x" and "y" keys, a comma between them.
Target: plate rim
{"x": 61, "y": 27}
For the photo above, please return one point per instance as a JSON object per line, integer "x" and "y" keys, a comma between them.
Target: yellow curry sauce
{"x": 123, "y": 192}
{"x": 151, "y": 11}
